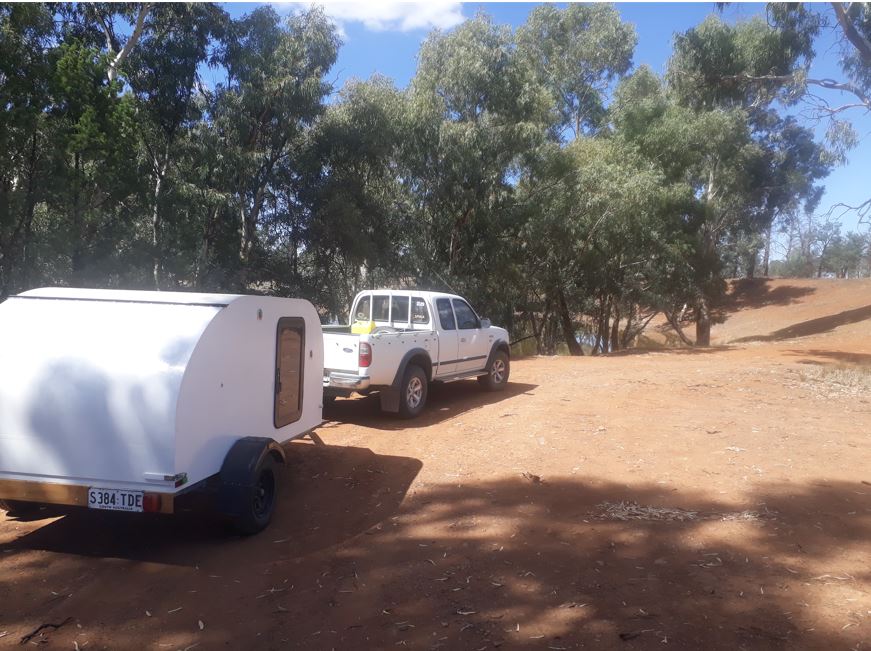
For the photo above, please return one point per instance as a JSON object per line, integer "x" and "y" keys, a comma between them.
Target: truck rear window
{"x": 362, "y": 311}
{"x": 399, "y": 309}
{"x": 419, "y": 313}
{"x": 380, "y": 308}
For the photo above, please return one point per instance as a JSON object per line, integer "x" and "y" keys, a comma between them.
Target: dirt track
{"x": 743, "y": 473}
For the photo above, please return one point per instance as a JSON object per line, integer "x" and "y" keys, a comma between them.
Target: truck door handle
{"x": 463, "y": 340}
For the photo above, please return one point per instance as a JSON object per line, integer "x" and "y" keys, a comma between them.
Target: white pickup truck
{"x": 414, "y": 338}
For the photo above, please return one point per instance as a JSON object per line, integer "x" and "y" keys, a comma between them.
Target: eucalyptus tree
{"x": 576, "y": 52}
{"x": 738, "y": 147}
{"x": 174, "y": 41}
{"x": 852, "y": 20}
{"x": 26, "y": 33}
{"x": 475, "y": 114}
{"x": 350, "y": 208}
{"x": 593, "y": 236}
{"x": 95, "y": 190}
{"x": 275, "y": 89}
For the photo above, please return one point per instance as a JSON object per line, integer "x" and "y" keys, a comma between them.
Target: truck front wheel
{"x": 497, "y": 375}
{"x": 413, "y": 390}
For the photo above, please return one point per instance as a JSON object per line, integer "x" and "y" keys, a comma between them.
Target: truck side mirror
{"x": 485, "y": 323}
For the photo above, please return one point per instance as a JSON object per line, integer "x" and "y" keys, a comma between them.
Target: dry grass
{"x": 624, "y": 511}
{"x": 633, "y": 511}
{"x": 842, "y": 377}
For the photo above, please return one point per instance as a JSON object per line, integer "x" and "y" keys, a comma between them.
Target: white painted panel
{"x": 229, "y": 387}
{"x": 342, "y": 352}
{"x": 88, "y": 388}
{"x": 122, "y": 388}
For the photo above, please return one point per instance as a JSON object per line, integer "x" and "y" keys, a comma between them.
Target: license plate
{"x": 114, "y": 499}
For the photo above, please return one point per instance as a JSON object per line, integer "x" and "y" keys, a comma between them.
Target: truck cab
{"x": 399, "y": 341}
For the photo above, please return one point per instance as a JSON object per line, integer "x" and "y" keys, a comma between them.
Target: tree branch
{"x": 859, "y": 42}
{"x": 130, "y": 44}
{"x": 829, "y": 84}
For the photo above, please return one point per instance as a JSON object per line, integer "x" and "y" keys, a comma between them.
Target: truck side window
{"x": 446, "y": 314}
{"x": 289, "y": 364}
{"x": 380, "y": 308}
{"x": 466, "y": 317}
{"x": 419, "y": 313}
{"x": 399, "y": 309}
{"x": 362, "y": 312}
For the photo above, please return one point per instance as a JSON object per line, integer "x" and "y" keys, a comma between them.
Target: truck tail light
{"x": 365, "y": 355}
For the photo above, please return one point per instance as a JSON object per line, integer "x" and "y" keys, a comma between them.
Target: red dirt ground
{"x": 677, "y": 499}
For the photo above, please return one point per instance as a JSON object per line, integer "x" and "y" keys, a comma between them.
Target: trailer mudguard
{"x": 238, "y": 470}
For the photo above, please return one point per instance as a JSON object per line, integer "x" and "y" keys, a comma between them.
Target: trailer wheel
{"x": 497, "y": 374}
{"x": 258, "y": 499}
{"x": 412, "y": 392}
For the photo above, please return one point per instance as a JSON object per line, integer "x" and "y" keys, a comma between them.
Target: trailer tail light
{"x": 365, "y": 355}
{"x": 151, "y": 502}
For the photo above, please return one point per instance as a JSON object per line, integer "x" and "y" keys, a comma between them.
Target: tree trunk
{"x": 205, "y": 245}
{"x": 568, "y": 328}
{"x": 602, "y": 326}
{"x": 615, "y": 329}
{"x": 248, "y": 231}
{"x": 674, "y": 321}
{"x": 626, "y": 339}
{"x": 703, "y": 323}
{"x": 155, "y": 228}
{"x": 77, "y": 257}
{"x": 751, "y": 264}
{"x": 766, "y": 258}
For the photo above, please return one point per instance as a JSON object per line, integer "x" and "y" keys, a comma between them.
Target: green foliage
{"x": 575, "y": 54}
{"x": 523, "y": 169}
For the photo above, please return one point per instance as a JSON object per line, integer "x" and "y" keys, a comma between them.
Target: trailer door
{"x": 289, "y": 364}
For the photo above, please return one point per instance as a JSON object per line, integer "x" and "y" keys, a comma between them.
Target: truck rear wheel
{"x": 412, "y": 392}
{"x": 259, "y": 498}
{"x": 497, "y": 374}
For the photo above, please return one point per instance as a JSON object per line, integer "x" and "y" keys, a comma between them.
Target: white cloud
{"x": 389, "y": 15}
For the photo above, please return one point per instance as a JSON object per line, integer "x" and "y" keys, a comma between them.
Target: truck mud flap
{"x": 389, "y": 399}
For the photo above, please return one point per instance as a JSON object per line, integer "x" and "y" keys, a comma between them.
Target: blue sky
{"x": 384, "y": 38}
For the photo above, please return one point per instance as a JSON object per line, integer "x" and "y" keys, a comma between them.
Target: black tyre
{"x": 412, "y": 392}
{"x": 329, "y": 401}
{"x": 497, "y": 374}
{"x": 258, "y": 499}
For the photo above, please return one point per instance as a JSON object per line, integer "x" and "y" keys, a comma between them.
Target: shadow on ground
{"x": 814, "y": 326}
{"x": 683, "y": 350}
{"x": 344, "y": 490}
{"x": 444, "y": 401}
{"x": 757, "y": 292}
{"x": 357, "y": 560}
{"x": 839, "y": 356}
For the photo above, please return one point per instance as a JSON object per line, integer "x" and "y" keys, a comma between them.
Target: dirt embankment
{"x": 714, "y": 498}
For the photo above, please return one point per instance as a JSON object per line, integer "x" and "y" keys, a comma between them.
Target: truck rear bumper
{"x": 346, "y": 381}
{"x": 62, "y": 494}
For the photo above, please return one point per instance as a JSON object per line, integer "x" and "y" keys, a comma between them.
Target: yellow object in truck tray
{"x": 362, "y": 327}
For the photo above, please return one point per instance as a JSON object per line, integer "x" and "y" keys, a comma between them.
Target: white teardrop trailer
{"x": 123, "y": 400}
